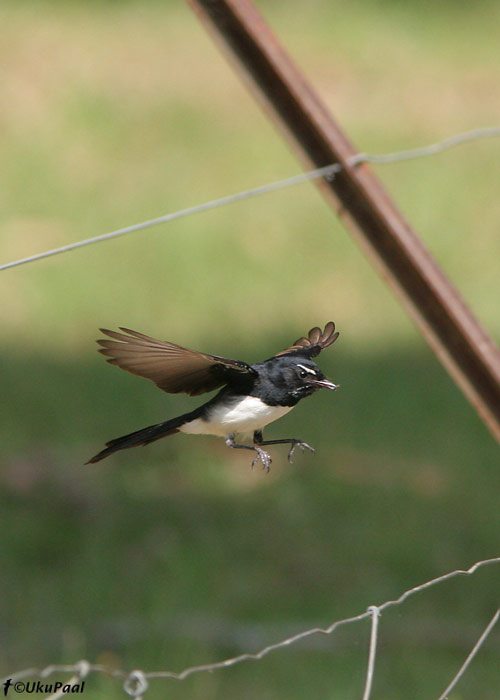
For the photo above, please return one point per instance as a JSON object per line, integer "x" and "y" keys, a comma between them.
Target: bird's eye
{"x": 302, "y": 374}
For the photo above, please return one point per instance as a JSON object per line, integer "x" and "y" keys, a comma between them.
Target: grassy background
{"x": 179, "y": 554}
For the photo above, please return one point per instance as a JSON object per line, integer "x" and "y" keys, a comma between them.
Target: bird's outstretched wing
{"x": 171, "y": 367}
{"x": 315, "y": 342}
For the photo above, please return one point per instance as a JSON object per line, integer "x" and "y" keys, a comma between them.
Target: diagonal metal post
{"x": 360, "y": 200}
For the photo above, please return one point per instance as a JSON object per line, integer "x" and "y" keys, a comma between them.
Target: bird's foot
{"x": 263, "y": 457}
{"x": 303, "y": 446}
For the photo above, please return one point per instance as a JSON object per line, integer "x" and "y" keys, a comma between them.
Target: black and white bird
{"x": 251, "y": 396}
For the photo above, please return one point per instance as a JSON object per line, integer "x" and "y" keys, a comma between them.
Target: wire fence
{"x": 136, "y": 683}
{"x": 328, "y": 171}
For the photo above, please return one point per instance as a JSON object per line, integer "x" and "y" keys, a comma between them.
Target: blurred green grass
{"x": 180, "y": 554}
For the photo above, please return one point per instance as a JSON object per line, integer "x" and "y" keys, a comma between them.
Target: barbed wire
{"x": 136, "y": 682}
{"x": 328, "y": 171}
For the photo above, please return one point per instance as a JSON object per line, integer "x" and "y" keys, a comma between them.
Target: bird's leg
{"x": 262, "y": 455}
{"x": 258, "y": 440}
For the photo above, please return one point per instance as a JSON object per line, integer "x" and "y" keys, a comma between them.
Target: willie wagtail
{"x": 251, "y": 396}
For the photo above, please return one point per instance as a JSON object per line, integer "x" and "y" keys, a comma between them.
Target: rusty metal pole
{"x": 359, "y": 199}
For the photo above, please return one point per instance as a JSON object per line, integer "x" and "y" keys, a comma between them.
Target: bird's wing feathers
{"x": 315, "y": 342}
{"x": 171, "y": 367}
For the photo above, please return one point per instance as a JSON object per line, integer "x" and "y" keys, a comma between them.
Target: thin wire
{"x": 136, "y": 682}
{"x": 433, "y": 148}
{"x": 258, "y": 655}
{"x": 439, "y": 579}
{"x": 375, "y": 613}
{"x": 81, "y": 670}
{"x": 328, "y": 171}
{"x": 471, "y": 655}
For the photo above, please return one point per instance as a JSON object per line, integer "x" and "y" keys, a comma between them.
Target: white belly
{"x": 245, "y": 416}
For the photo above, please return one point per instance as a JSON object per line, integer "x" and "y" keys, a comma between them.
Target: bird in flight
{"x": 251, "y": 395}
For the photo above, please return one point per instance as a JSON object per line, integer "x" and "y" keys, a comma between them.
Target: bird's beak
{"x": 324, "y": 384}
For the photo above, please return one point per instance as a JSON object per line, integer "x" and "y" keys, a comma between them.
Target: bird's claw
{"x": 263, "y": 457}
{"x": 303, "y": 446}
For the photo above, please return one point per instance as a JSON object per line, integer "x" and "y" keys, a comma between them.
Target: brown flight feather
{"x": 171, "y": 367}
{"x": 316, "y": 341}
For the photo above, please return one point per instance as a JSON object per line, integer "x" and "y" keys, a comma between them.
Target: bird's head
{"x": 302, "y": 376}
{"x": 309, "y": 377}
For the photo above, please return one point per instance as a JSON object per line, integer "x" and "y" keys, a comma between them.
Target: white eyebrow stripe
{"x": 307, "y": 369}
